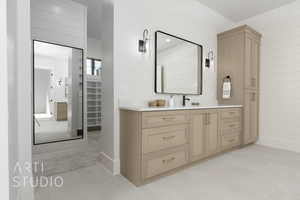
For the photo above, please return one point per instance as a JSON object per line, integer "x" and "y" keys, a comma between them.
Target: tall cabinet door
{"x": 250, "y": 117}
{"x": 212, "y": 133}
{"x": 197, "y": 134}
{"x": 230, "y": 62}
{"x": 252, "y": 48}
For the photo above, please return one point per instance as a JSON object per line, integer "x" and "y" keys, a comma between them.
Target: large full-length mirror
{"x": 178, "y": 65}
{"x": 58, "y": 93}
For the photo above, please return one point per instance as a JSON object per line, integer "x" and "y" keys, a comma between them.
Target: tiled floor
{"x": 252, "y": 173}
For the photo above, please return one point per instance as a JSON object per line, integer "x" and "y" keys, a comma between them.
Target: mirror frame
{"x": 200, "y": 66}
{"x": 33, "y": 97}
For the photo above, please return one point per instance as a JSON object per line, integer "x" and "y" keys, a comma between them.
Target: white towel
{"x": 226, "y": 90}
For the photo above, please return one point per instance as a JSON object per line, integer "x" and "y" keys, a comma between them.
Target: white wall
{"x": 59, "y": 21}
{"x": 4, "y": 170}
{"x": 108, "y": 144}
{"x": 24, "y": 84}
{"x": 12, "y": 94}
{"x": 19, "y": 91}
{"x": 280, "y": 76}
{"x": 94, "y": 49}
{"x": 190, "y": 20}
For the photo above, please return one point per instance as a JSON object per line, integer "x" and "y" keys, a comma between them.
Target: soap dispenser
{"x": 171, "y": 101}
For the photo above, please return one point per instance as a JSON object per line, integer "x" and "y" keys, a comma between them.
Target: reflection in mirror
{"x": 178, "y": 67}
{"x": 58, "y": 89}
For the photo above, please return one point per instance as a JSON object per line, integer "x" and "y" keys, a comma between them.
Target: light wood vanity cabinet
{"x": 239, "y": 57}
{"x": 155, "y": 139}
{"x": 157, "y": 142}
{"x": 164, "y": 161}
{"x": 252, "y": 51}
{"x": 204, "y": 134}
{"x": 158, "y": 119}
{"x": 197, "y": 136}
{"x": 251, "y": 116}
{"x": 212, "y": 133}
{"x": 231, "y": 129}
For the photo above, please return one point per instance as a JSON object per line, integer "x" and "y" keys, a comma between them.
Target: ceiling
{"x": 94, "y": 10}
{"x": 235, "y": 10}
{"x": 238, "y": 10}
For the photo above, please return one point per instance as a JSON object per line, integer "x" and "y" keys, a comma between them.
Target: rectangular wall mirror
{"x": 58, "y": 93}
{"x": 178, "y": 65}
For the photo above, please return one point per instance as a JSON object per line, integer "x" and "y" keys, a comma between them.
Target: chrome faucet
{"x": 184, "y": 99}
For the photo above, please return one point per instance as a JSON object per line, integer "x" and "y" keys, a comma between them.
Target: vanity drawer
{"x": 156, "y": 139}
{"x": 231, "y": 113}
{"x": 228, "y": 142}
{"x": 229, "y": 125}
{"x": 163, "y": 162}
{"x": 156, "y": 119}
{"x": 231, "y": 132}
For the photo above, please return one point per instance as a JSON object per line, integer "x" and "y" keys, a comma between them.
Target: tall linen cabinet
{"x": 239, "y": 58}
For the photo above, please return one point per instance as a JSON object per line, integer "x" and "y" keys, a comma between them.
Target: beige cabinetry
{"x": 239, "y": 58}
{"x": 198, "y": 131}
{"x": 231, "y": 129}
{"x": 212, "y": 133}
{"x": 158, "y": 119}
{"x": 160, "y": 162}
{"x": 155, "y": 143}
{"x": 251, "y": 116}
{"x": 204, "y": 134}
{"x": 156, "y": 139}
{"x": 252, "y": 48}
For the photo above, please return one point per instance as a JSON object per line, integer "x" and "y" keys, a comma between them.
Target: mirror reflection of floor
{"x": 76, "y": 158}
{"x": 49, "y": 130}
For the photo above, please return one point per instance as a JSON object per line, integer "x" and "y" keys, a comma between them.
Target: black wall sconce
{"x": 209, "y": 61}
{"x": 144, "y": 41}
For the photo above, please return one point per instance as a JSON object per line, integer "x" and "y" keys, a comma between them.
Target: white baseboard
{"x": 112, "y": 165}
{"x": 117, "y": 169}
{"x": 279, "y": 144}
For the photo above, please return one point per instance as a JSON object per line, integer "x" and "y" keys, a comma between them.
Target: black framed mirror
{"x": 58, "y": 100}
{"x": 178, "y": 65}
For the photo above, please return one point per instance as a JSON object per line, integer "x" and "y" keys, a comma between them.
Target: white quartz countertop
{"x": 149, "y": 109}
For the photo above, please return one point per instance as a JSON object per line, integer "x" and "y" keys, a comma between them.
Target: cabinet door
{"x": 255, "y": 64}
{"x": 197, "y": 137}
{"x": 212, "y": 133}
{"x": 250, "y": 117}
{"x": 252, "y": 48}
{"x": 230, "y": 63}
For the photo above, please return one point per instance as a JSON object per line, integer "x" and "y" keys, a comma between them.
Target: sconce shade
{"x": 209, "y": 61}
{"x": 142, "y": 46}
{"x": 143, "y": 42}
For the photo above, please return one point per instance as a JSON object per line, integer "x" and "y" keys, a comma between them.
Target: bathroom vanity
{"x": 158, "y": 141}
